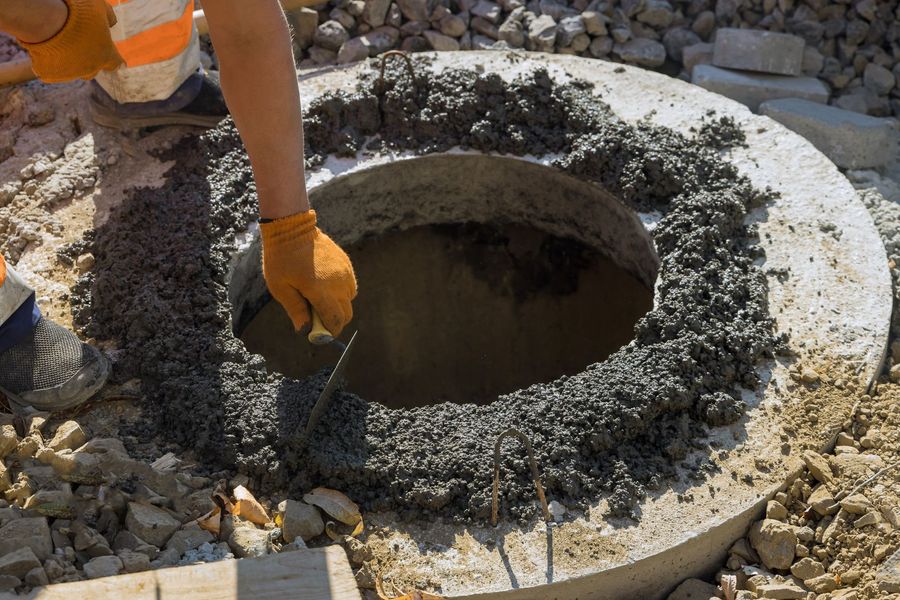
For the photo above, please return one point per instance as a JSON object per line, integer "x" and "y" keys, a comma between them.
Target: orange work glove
{"x": 81, "y": 49}
{"x": 303, "y": 266}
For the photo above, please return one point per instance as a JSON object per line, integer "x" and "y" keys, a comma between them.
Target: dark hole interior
{"x": 464, "y": 313}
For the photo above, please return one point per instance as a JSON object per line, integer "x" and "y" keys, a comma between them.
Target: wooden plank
{"x": 315, "y": 574}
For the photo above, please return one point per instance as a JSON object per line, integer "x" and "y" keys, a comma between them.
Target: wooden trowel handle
{"x": 319, "y": 334}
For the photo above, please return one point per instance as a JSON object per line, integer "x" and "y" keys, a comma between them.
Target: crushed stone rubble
{"x": 76, "y": 507}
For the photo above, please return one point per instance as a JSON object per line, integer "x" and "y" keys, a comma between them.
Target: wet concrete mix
{"x": 620, "y": 427}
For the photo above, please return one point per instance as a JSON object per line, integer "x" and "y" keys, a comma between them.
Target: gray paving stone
{"x": 752, "y": 89}
{"x": 762, "y": 51}
{"x": 849, "y": 139}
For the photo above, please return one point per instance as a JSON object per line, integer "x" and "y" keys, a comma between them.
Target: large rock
{"x": 815, "y": 462}
{"x": 643, "y": 52}
{"x": 68, "y": 436}
{"x": 151, "y": 524}
{"x": 19, "y": 562}
{"x": 299, "y": 519}
{"x": 676, "y": 40}
{"x": 32, "y": 533}
{"x": 755, "y": 50}
{"x": 752, "y": 89}
{"x": 878, "y": 79}
{"x": 188, "y": 539}
{"x": 568, "y": 28}
{"x": 775, "y": 543}
{"x": 851, "y": 140}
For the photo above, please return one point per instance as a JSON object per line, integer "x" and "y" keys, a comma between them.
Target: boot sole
{"x": 105, "y": 119}
{"x": 95, "y": 385}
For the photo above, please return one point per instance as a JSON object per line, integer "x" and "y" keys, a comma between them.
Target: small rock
{"x": 374, "y": 14}
{"x": 776, "y": 510}
{"x": 657, "y": 14}
{"x": 780, "y": 591}
{"x": 557, "y": 511}
{"x": 441, "y": 42}
{"x": 775, "y": 542}
{"x": 567, "y": 29}
{"x": 33, "y": 533}
{"x": 821, "y": 584}
{"x": 19, "y": 562}
{"x": 189, "y": 539}
{"x": 512, "y": 32}
{"x": 857, "y": 504}
{"x": 134, "y": 562}
{"x": 249, "y": 542}
{"x": 416, "y": 10}
{"x": 331, "y": 35}
{"x": 151, "y": 524}
{"x": 808, "y": 375}
{"x": 879, "y": 79}
{"x": 676, "y": 40}
{"x": 600, "y": 47}
{"x": 487, "y": 10}
{"x": 102, "y": 566}
{"x": 299, "y": 519}
{"x": 353, "y": 50}
{"x": 454, "y": 26}
{"x": 37, "y": 577}
{"x": 8, "y": 583}
{"x": 594, "y": 22}
{"x": 870, "y": 518}
{"x": 8, "y": 440}
{"x": 643, "y": 52}
{"x": 822, "y": 501}
{"x": 542, "y": 33}
{"x": 694, "y": 589}
{"x": 807, "y": 568}
{"x": 818, "y": 466}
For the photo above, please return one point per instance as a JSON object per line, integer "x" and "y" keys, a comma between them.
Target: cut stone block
{"x": 849, "y": 139}
{"x": 763, "y": 51}
{"x": 752, "y": 89}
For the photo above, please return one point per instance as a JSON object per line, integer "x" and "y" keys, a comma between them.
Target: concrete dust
{"x": 158, "y": 292}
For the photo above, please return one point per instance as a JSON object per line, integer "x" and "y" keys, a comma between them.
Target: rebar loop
{"x": 535, "y": 474}
{"x": 405, "y": 57}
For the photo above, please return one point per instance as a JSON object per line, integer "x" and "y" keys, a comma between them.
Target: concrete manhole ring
{"x": 828, "y": 289}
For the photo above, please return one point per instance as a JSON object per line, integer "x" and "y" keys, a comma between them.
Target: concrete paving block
{"x": 849, "y": 139}
{"x": 752, "y": 89}
{"x": 763, "y": 51}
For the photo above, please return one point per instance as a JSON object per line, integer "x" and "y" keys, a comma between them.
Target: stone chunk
{"x": 776, "y": 510}
{"x": 151, "y": 524}
{"x": 134, "y": 562}
{"x": 780, "y": 591}
{"x": 814, "y": 461}
{"x": 249, "y": 542}
{"x": 762, "y": 51}
{"x": 542, "y": 33}
{"x": 752, "y": 89}
{"x": 8, "y": 583}
{"x": 821, "y": 584}
{"x": 102, "y": 566}
{"x": 375, "y": 12}
{"x": 694, "y": 589}
{"x": 775, "y": 542}
{"x": 69, "y": 436}
{"x": 441, "y": 42}
{"x": 33, "y": 533}
{"x": 851, "y": 140}
{"x": 188, "y": 539}
{"x": 36, "y": 577}
{"x": 643, "y": 52}
{"x": 331, "y": 35}
{"x": 857, "y": 504}
{"x": 299, "y": 519}
{"x": 878, "y": 79}
{"x": 487, "y": 10}
{"x": 821, "y": 500}
{"x": 807, "y": 568}
{"x": 19, "y": 563}
{"x": 8, "y": 439}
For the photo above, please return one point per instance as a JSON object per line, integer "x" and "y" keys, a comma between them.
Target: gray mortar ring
{"x": 835, "y": 305}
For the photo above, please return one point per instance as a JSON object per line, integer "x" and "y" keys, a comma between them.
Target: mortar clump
{"x": 158, "y": 290}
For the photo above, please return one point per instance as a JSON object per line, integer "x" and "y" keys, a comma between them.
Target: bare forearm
{"x": 253, "y": 44}
{"x": 33, "y": 21}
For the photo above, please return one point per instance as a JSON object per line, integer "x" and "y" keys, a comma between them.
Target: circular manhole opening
{"x": 466, "y": 312}
{"x": 463, "y": 295}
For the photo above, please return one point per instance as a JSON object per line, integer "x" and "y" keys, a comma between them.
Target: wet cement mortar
{"x": 621, "y": 427}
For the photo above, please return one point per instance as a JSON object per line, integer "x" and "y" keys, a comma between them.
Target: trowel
{"x": 320, "y": 336}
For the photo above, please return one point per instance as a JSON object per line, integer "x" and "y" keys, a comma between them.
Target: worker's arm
{"x": 67, "y": 39}
{"x": 256, "y": 61}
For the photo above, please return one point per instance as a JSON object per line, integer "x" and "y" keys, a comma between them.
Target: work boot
{"x": 197, "y": 102}
{"x": 51, "y": 369}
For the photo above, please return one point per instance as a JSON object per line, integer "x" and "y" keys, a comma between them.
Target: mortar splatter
{"x": 158, "y": 291}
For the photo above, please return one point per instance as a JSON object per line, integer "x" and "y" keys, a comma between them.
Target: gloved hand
{"x": 81, "y": 49}
{"x": 304, "y": 266}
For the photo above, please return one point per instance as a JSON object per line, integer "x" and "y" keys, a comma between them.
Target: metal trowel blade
{"x": 321, "y": 404}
